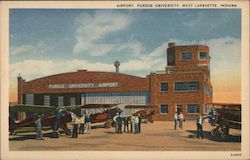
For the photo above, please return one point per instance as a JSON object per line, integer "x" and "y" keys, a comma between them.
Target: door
{"x": 179, "y": 108}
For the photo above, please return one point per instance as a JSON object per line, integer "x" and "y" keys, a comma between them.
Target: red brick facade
{"x": 178, "y": 70}
{"x": 173, "y": 98}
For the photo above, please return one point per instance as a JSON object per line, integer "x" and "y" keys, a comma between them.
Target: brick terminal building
{"x": 184, "y": 86}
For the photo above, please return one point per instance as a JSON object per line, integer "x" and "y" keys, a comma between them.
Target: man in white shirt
{"x": 181, "y": 117}
{"x": 75, "y": 122}
{"x": 116, "y": 125}
{"x": 175, "y": 120}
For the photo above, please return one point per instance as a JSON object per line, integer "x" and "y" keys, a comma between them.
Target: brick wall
{"x": 189, "y": 65}
{"x": 173, "y": 98}
{"x": 182, "y": 71}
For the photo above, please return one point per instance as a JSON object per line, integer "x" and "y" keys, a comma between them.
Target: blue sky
{"x": 59, "y": 40}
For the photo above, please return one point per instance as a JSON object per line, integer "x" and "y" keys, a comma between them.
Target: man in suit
{"x": 119, "y": 124}
{"x": 38, "y": 123}
{"x": 199, "y": 123}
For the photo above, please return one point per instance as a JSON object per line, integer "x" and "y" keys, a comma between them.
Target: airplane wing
{"x": 32, "y": 108}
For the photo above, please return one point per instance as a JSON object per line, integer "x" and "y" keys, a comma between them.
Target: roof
{"x": 191, "y": 45}
{"x": 93, "y": 81}
{"x": 88, "y": 72}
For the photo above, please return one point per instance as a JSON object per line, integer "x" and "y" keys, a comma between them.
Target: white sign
{"x": 83, "y": 85}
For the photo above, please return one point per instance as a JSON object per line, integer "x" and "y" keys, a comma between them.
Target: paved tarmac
{"x": 158, "y": 136}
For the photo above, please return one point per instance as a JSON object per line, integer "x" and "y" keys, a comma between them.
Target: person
{"x": 213, "y": 116}
{"x": 58, "y": 119}
{"x": 126, "y": 128}
{"x": 199, "y": 123}
{"x": 139, "y": 122}
{"x": 115, "y": 120}
{"x": 136, "y": 122}
{"x": 75, "y": 122}
{"x": 119, "y": 124}
{"x": 87, "y": 123}
{"x": 181, "y": 117}
{"x": 38, "y": 123}
{"x": 131, "y": 123}
{"x": 175, "y": 120}
{"x": 82, "y": 122}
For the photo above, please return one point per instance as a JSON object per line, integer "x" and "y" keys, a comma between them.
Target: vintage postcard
{"x": 125, "y": 80}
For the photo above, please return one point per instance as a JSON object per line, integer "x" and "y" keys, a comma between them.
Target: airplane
{"x": 224, "y": 116}
{"x": 49, "y": 118}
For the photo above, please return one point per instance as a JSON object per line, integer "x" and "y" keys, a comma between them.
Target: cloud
{"x": 39, "y": 48}
{"x": 22, "y": 49}
{"x": 225, "y": 53}
{"x": 133, "y": 47}
{"x": 32, "y": 69}
{"x": 91, "y": 30}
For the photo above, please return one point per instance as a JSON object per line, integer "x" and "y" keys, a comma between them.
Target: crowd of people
{"x": 199, "y": 123}
{"x": 178, "y": 118}
{"x": 132, "y": 124}
{"x": 84, "y": 123}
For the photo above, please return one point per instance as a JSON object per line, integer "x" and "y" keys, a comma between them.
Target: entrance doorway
{"x": 179, "y": 108}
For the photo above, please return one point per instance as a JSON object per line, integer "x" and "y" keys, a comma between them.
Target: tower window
{"x": 186, "y": 86}
{"x": 170, "y": 57}
{"x": 163, "y": 87}
{"x": 186, "y": 56}
{"x": 203, "y": 56}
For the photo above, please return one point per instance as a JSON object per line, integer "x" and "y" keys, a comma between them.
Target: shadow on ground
{"x": 207, "y": 135}
{"x": 97, "y": 126}
{"x": 29, "y": 136}
{"x": 33, "y": 136}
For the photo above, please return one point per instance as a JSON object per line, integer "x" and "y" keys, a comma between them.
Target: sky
{"x": 52, "y": 41}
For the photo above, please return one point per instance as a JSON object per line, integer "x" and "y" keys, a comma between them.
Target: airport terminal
{"x": 184, "y": 86}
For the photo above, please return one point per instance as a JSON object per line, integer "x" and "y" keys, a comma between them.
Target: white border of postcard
{"x": 6, "y": 154}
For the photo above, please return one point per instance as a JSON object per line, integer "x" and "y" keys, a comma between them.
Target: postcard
{"x": 125, "y": 80}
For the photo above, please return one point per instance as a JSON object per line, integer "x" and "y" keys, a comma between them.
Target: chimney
{"x": 20, "y": 87}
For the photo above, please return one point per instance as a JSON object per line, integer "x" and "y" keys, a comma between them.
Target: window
{"x": 72, "y": 101}
{"x": 29, "y": 99}
{"x": 163, "y": 109}
{"x": 186, "y": 86}
{"x": 60, "y": 101}
{"x": 170, "y": 58}
{"x": 163, "y": 87}
{"x": 46, "y": 100}
{"x": 203, "y": 56}
{"x": 193, "y": 108}
{"x": 186, "y": 56}
{"x": 208, "y": 91}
